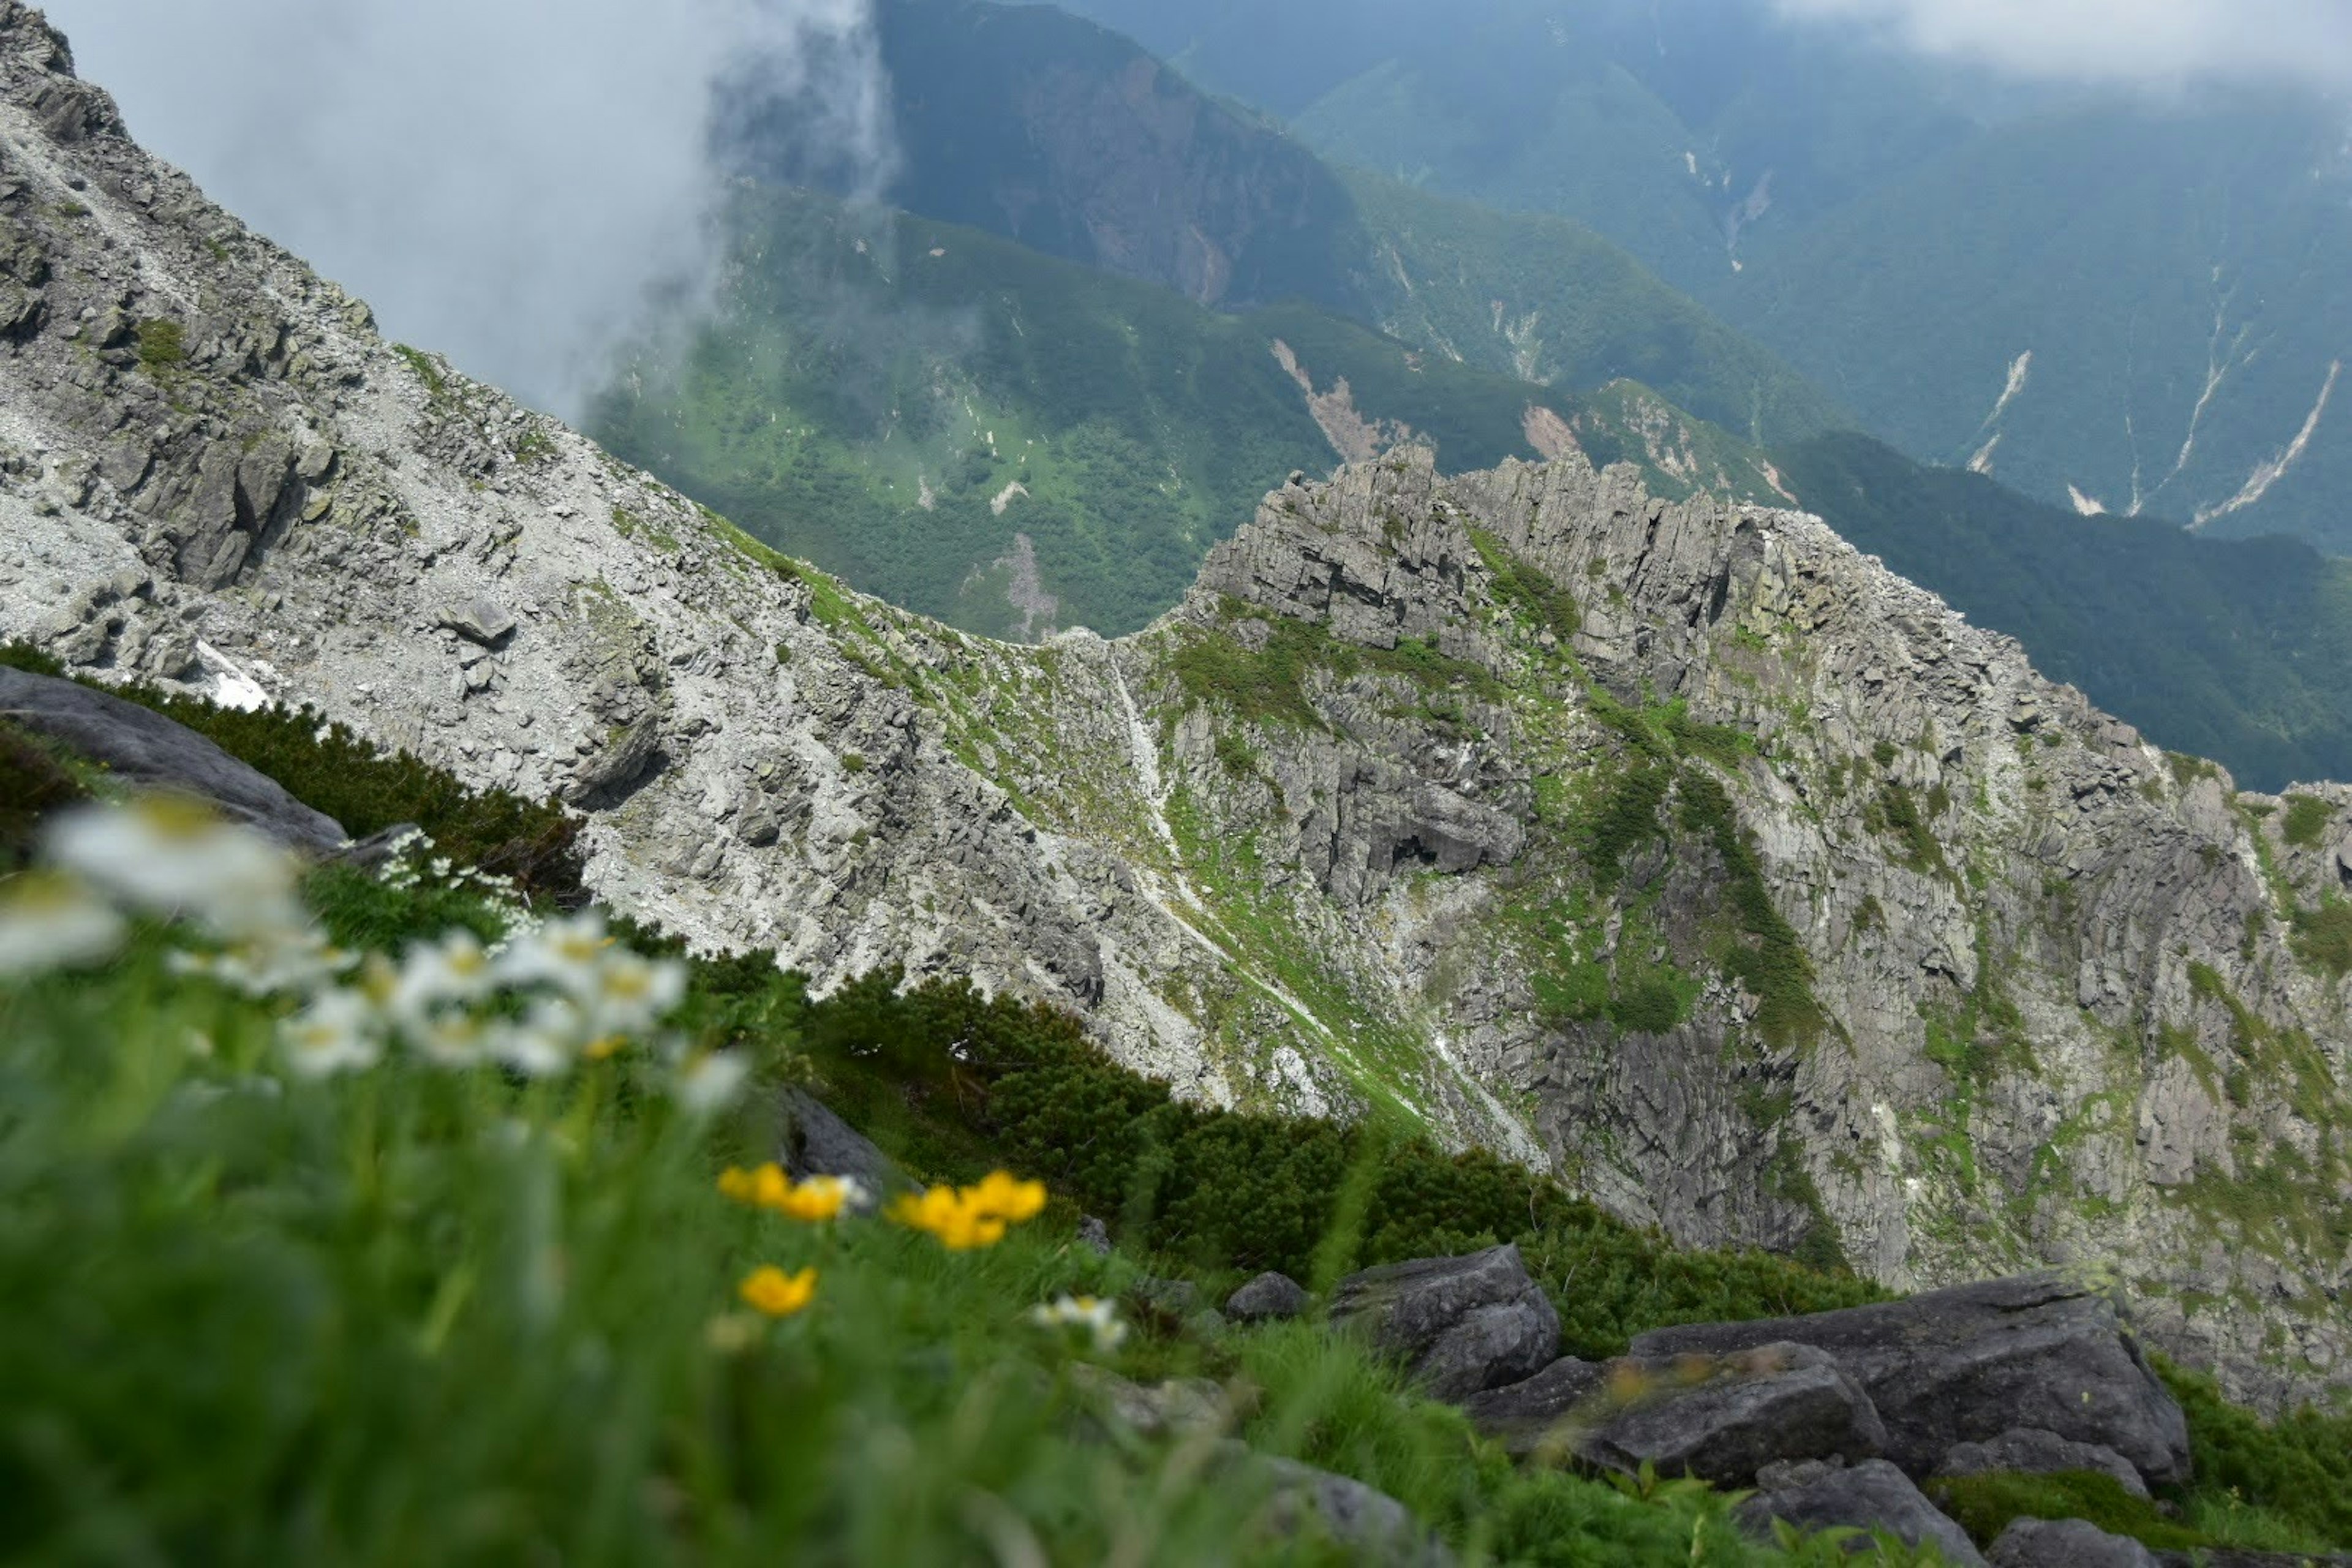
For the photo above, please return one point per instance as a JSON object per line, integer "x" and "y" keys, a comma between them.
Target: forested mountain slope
{"x": 1017, "y": 444}
{"x": 2161, "y": 273}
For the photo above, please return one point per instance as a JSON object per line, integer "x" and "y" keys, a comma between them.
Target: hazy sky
{"x": 2159, "y": 41}
{"x": 506, "y": 181}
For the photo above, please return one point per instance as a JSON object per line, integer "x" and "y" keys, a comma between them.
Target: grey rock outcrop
{"x": 2065, "y": 1544}
{"x": 1460, "y": 1325}
{"x": 1723, "y": 1419}
{"x": 1270, "y": 1297}
{"x": 813, "y": 1141}
{"x": 142, "y": 748}
{"x": 1872, "y": 1496}
{"x": 2033, "y": 1451}
{"x": 1896, "y": 949}
{"x": 1537, "y": 1415}
{"x": 1370, "y": 1525}
{"x": 1969, "y": 1364}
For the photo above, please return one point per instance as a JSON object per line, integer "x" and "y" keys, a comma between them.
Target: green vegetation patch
{"x": 1543, "y": 603}
{"x": 1985, "y": 1505}
{"x": 1243, "y": 1192}
{"x": 163, "y": 344}
{"x": 2307, "y": 817}
{"x": 2323, "y": 937}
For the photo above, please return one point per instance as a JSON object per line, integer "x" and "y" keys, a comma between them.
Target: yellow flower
{"x": 818, "y": 1198}
{"x": 958, "y": 1224}
{"x": 778, "y": 1294}
{"x": 1000, "y": 1196}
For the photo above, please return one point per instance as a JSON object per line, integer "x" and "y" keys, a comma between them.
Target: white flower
{"x": 563, "y": 953}
{"x": 453, "y": 969}
{"x": 1099, "y": 1316}
{"x": 337, "y": 1033}
{"x": 282, "y": 964}
{"x": 50, "y": 921}
{"x": 545, "y": 1043}
{"x": 709, "y": 1083}
{"x": 171, "y": 856}
{"x": 450, "y": 1038}
{"x": 631, "y": 994}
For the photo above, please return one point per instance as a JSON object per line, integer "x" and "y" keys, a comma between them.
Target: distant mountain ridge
{"x": 2138, "y": 305}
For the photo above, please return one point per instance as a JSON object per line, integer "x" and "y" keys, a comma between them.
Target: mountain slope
{"x": 1904, "y": 233}
{"x": 1673, "y": 846}
{"x": 2239, "y": 649}
{"x": 981, "y": 433}
{"x": 1047, "y": 129}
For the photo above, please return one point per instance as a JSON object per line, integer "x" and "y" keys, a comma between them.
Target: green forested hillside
{"x": 1904, "y": 231}
{"x": 1016, "y": 443}
{"x": 2240, "y": 651}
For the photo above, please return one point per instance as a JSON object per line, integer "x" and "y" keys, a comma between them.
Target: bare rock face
{"x": 1676, "y": 849}
{"x": 1969, "y": 1364}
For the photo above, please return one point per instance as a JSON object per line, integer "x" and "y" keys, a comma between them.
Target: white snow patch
{"x": 231, "y": 686}
{"x": 1982, "y": 462}
{"x": 2019, "y": 370}
{"x": 2086, "y": 505}
{"x": 2272, "y": 469}
{"x": 1007, "y": 496}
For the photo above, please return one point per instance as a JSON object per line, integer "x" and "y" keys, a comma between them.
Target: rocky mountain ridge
{"x": 1677, "y": 847}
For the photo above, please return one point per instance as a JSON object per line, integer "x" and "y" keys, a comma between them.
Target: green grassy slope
{"x": 872, "y": 387}
{"x": 2240, "y": 651}
{"x": 422, "y": 1313}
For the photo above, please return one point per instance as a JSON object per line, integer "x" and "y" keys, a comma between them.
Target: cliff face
{"x": 1676, "y": 847}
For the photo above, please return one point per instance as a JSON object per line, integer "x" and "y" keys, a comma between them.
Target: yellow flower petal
{"x": 770, "y": 1290}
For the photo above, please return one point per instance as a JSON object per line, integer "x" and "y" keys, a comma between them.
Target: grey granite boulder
{"x": 1535, "y": 1414}
{"x": 816, "y": 1142}
{"x": 1722, "y": 1419}
{"x": 1368, "y": 1524}
{"x": 1269, "y": 1297}
{"x": 143, "y": 748}
{"x": 2065, "y": 1544}
{"x": 1969, "y": 1364}
{"x": 2032, "y": 1452}
{"x": 478, "y": 620}
{"x": 1461, "y": 1325}
{"x": 1874, "y": 1495}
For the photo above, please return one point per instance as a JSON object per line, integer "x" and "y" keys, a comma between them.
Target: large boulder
{"x": 1269, "y": 1298}
{"x": 2032, "y": 1452}
{"x": 813, "y": 1141}
{"x": 1969, "y": 1364}
{"x": 2065, "y": 1544}
{"x": 1722, "y": 1419}
{"x": 1368, "y": 1526}
{"x": 1461, "y": 1325}
{"x": 1872, "y": 1496}
{"x": 143, "y": 748}
{"x": 1537, "y": 1415}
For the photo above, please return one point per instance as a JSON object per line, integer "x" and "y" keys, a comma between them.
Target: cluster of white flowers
{"x": 547, "y": 996}
{"x": 1095, "y": 1314}
{"x": 408, "y": 863}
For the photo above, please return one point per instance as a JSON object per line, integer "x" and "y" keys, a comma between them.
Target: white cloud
{"x": 2162, "y": 41}
{"x": 506, "y": 181}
